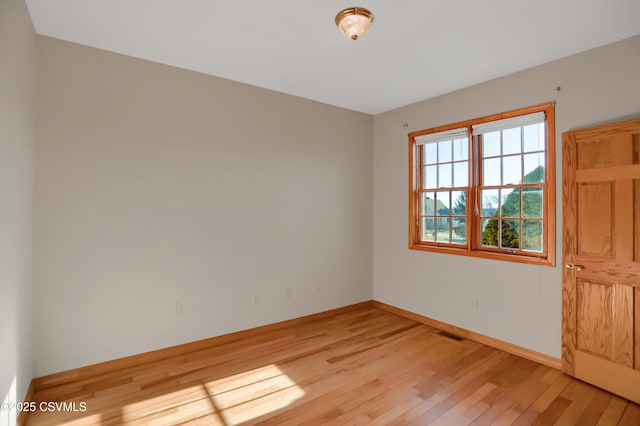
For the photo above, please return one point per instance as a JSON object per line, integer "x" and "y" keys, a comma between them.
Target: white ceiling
{"x": 415, "y": 50}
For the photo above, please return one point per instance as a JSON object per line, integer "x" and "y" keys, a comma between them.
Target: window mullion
{"x": 474, "y": 211}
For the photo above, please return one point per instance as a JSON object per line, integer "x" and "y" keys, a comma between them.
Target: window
{"x": 485, "y": 187}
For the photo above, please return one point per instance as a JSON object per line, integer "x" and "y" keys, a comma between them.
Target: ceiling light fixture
{"x": 354, "y": 22}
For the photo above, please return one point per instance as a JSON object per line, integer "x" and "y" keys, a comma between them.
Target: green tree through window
{"x": 531, "y": 230}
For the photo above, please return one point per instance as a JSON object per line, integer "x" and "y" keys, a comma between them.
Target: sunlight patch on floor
{"x": 229, "y": 400}
{"x": 175, "y": 404}
{"x": 249, "y": 395}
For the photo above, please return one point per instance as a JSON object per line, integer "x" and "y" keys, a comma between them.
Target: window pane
{"x": 461, "y": 174}
{"x": 489, "y": 202}
{"x": 444, "y": 176}
{"x": 510, "y": 202}
{"x": 444, "y": 151}
{"x": 430, "y": 177}
{"x": 512, "y": 170}
{"x": 510, "y": 238}
{"x": 430, "y": 153}
{"x": 511, "y": 142}
{"x": 490, "y": 232}
{"x": 443, "y": 232}
{"x": 442, "y": 203}
{"x": 491, "y": 172}
{"x": 534, "y": 137}
{"x": 532, "y": 235}
{"x": 491, "y": 144}
{"x": 534, "y": 168}
{"x": 459, "y": 230}
{"x": 461, "y": 149}
{"x": 427, "y": 229}
{"x": 459, "y": 199}
{"x": 532, "y": 202}
{"x": 428, "y": 203}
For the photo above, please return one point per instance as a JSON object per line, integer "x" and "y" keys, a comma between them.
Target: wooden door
{"x": 601, "y": 256}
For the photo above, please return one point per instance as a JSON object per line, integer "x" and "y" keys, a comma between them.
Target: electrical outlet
{"x": 255, "y": 298}
{"x": 289, "y": 293}
{"x": 177, "y": 307}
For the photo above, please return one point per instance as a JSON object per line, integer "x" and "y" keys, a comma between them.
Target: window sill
{"x": 508, "y": 257}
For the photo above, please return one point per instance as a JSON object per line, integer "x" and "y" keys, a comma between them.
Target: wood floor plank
{"x": 613, "y": 412}
{"x": 456, "y": 414}
{"x": 631, "y": 415}
{"x": 498, "y": 402}
{"x": 507, "y": 418}
{"x": 594, "y": 411}
{"x": 515, "y": 372}
{"x": 364, "y": 366}
{"x": 580, "y": 394}
{"x": 553, "y": 391}
{"x": 550, "y": 415}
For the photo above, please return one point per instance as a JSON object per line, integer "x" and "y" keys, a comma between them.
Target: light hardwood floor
{"x": 366, "y": 366}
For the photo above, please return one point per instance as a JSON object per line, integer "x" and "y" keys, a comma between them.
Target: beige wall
{"x": 157, "y": 186}
{"x": 17, "y": 71}
{"x": 518, "y": 303}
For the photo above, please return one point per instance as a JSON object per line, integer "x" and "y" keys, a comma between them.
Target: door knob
{"x": 574, "y": 267}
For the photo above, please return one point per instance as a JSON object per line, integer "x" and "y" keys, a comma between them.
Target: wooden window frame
{"x": 473, "y": 248}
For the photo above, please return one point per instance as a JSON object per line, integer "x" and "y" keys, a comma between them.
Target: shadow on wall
{"x": 8, "y": 412}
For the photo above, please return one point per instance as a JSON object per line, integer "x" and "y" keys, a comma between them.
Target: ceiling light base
{"x": 354, "y": 22}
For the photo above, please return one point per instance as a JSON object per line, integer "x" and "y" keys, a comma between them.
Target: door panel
{"x": 623, "y": 338}
{"x": 601, "y": 330}
{"x": 601, "y": 252}
{"x": 595, "y": 319}
{"x": 593, "y": 154}
{"x": 595, "y": 204}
